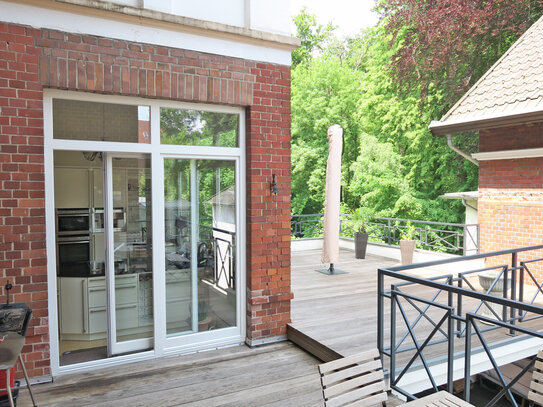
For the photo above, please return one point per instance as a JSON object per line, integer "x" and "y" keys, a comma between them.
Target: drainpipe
{"x": 460, "y": 152}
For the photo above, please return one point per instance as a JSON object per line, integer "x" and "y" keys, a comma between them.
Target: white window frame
{"x": 162, "y": 345}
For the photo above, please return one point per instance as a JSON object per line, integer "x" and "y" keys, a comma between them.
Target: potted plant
{"x": 359, "y": 221}
{"x": 407, "y": 243}
{"x": 204, "y": 319}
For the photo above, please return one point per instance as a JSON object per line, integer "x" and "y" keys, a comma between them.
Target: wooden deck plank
{"x": 241, "y": 373}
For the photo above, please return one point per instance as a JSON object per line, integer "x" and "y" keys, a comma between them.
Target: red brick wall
{"x": 511, "y": 194}
{"x": 511, "y": 138}
{"x": 31, "y": 60}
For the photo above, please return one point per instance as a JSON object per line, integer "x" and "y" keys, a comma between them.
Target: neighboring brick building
{"x": 506, "y": 107}
{"x": 109, "y": 107}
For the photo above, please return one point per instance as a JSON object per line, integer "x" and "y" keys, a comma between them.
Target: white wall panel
{"x": 83, "y": 24}
{"x": 271, "y": 16}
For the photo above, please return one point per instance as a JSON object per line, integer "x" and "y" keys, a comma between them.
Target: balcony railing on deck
{"x": 457, "y": 238}
{"x": 447, "y": 314}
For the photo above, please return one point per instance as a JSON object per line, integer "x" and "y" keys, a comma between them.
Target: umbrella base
{"x": 331, "y": 270}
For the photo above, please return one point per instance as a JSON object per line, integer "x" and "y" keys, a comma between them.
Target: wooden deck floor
{"x": 340, "y": 311}
{"x": 274, "y": 375}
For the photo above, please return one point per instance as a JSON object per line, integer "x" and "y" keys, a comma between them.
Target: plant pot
{"x": 486, "y": 279}
{"x": 407, "y": 248}
{"x": 360, "y": 245}
{"x": 204, "y": 324}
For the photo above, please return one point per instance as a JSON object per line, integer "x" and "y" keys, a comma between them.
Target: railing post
{"x": 459, "y": 304}
{"x": 380, "y": 311}
{"x": 450, "y": 352}
{"x": 467, "y": 360}
{"x": 392, "y": 373}
{"x": 388, "y": 234}
{"x": 521, "y": 288}
{"x": 513, "y": 289}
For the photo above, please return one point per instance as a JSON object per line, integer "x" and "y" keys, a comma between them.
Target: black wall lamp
{"x": 273, "y": 186}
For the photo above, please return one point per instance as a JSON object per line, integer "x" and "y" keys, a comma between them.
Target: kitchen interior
{"x": 81, "y": 254}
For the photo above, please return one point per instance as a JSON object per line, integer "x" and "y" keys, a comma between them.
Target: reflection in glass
{"x": 81, "y": 120}
{"x": 198, "y": 128}
{"x": 133, "y": 248}
{"x": 200, "y": 220}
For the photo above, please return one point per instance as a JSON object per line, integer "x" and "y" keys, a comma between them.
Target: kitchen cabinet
{"x": 97, "y": 188}
{"x": 126, "y": 301}
{"x": 71, "y": 188}
{"x": 97, "y": 300}
{"x": 83, "y": 301}
{"x": 73, "y": 313}
{"x": 178, "y": 296}
{"x": 119, "y": 188}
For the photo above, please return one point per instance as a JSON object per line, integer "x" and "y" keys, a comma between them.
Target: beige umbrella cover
{"x": 330, "y": 247}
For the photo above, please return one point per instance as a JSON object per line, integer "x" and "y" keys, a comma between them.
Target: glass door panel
{"x": 200, "y": 224}
{"x": 130, "y": 223}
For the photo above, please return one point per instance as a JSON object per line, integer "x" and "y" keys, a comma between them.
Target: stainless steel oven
{"x": 73, "y": 221}
{"x": 74, "y": 255}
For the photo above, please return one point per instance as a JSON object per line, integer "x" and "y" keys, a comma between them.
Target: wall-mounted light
{"x": 273, "y": 186}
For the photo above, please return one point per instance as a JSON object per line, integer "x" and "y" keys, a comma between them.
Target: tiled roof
{"x": 513, "y": 86}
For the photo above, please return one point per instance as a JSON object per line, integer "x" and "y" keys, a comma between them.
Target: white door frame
{"x": 162, "y": 344}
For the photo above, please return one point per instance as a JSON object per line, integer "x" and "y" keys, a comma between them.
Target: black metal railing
{"x": 217, "y": 255}
{"x": 457, "y": 238}
{"x": 444, "y": 314}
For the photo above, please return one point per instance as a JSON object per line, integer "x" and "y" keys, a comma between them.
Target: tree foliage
{"x": 392, "y": 165}
{"x": 313, "y": 36}
{"x": 452, "y": 43}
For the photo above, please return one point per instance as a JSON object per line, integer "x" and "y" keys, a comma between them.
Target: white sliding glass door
{"x": 145, "y": 228}
{"x": 200, "y": 211}
{"x": 129, "y": 271}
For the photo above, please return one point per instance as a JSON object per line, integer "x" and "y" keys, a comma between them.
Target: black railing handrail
{"x": 453, "y": 305}
{"x": 426, "y": 222}
{"x": 463, "y": 258}
{"x": 455, "y": 238}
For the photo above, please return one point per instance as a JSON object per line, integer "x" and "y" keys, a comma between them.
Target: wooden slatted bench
{"x": 535, "y": 394}
{"x": 356, "y": 380}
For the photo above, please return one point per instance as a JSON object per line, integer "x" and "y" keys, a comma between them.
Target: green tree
{"x": 324, "y": 92}
{"x": 313, "y": 36}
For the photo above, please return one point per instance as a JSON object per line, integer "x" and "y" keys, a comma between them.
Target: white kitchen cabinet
{"x": 120, "y": 188}
{"x": 73, "y": 312}
{"x": 83, "y": 303}
{"x": 97, "y": 188}
{"x": 71, "y": 188}
{"x": 97, "y": 321}
{"x": 96, "y": 305}
{"x": 178, "y": 296}
{"x": 126, "y": 301}
{"x": 98, "y": 246}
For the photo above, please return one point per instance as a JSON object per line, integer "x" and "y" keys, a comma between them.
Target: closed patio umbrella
{"x": 330, "y": 247}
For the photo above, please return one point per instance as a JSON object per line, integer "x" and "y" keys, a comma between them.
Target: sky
{"x": 349, "y": 15}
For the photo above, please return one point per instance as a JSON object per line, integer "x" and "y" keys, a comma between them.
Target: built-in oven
{"x": 74, "y": 255}
{"x": 71, "y": 222}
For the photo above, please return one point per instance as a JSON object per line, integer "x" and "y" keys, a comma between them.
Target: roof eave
{"x": 438, "y": 128}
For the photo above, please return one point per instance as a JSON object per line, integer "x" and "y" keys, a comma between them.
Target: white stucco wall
{"x": 271, "y": 16}
{"x": 133, "y": 31}
{"x": 262, "y": 15}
